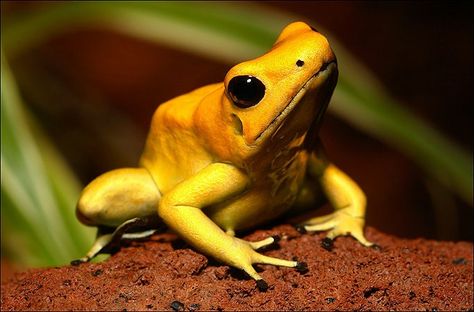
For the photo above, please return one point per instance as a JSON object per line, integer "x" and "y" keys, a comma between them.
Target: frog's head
{"x": 278, "y": 97}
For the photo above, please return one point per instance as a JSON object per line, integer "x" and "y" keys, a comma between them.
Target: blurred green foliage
{"x": 38, "y": 189}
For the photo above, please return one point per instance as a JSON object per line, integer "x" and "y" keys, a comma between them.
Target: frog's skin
{"x": 233, "y": 155}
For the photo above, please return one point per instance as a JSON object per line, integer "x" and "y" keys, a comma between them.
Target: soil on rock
{"x": 165, "y": 274}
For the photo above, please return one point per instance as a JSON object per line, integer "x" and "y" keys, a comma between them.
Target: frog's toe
{"x": 108, "y": 238}
{"x": 327, "y": 225}
{"x": 359, "y": 235}
{"x": 262, "y": 285}
{"x": 320, "y": 219}
{"x": 262, "y": 259}
{"x": 102, "y": 242}
{"x": 253, "y": 257}
{"x": 301, "y": 228}
{"x": 376, "y": 247}
{"x": 302, "y": 267}
{"x": 327, "y": 243}
{"x": 340, "y": 223}
{"x": 343, "y": 230}
{"x": 249, "y": 269}
{"x": 77, "y": 262}
{"x": 322, "y": 223}
{"x": 274, "y": 239}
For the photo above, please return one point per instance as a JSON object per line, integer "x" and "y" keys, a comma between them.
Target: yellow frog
{"x": 232, "y": 155}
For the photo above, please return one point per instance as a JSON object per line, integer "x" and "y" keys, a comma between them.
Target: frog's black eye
{"x": 245, "y": 91}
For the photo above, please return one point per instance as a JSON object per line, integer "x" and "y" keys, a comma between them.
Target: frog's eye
{"x": 245, "y": 91}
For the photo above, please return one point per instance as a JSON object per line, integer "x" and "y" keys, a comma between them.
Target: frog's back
{"x": 173, "y": 151}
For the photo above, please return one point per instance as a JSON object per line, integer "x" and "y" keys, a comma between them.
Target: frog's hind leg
{"x": 108, "y": 238}
{"x": 119, "y": 202}
{"x": 102, "y": 240}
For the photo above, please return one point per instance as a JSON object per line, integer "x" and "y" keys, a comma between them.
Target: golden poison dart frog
{"x": 233, "y": 155}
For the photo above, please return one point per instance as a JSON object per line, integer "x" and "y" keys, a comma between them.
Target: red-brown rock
{"x": 164, "y": 274}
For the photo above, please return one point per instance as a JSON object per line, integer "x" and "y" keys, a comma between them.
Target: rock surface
{"x": 165, "y": 274}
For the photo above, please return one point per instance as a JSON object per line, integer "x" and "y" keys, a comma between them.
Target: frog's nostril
{"x": 239, "y": 128}
{"x": 299, "y": 63}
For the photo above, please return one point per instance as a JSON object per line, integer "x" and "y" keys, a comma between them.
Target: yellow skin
{"x": 224, "y": 158}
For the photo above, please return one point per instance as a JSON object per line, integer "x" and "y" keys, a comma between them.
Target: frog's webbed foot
{"x": 339, "y": 223}
{"x": 108, "y": 238}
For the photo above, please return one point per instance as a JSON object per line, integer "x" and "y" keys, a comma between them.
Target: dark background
{"x": 103, "y": 88}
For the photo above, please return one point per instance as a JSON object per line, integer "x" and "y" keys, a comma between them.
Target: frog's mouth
{"x": 312, "y": 85}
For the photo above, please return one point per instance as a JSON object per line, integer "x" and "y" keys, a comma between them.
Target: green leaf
{"x": 39, "y": 227}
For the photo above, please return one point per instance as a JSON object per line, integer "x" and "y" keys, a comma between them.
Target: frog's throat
{"x": 321, "y": 75}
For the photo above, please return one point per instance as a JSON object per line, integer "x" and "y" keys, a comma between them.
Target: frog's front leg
{"x": 348, "y": 200}
{"x": 181, "y": 207}
{"x": 118, "y": 202}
